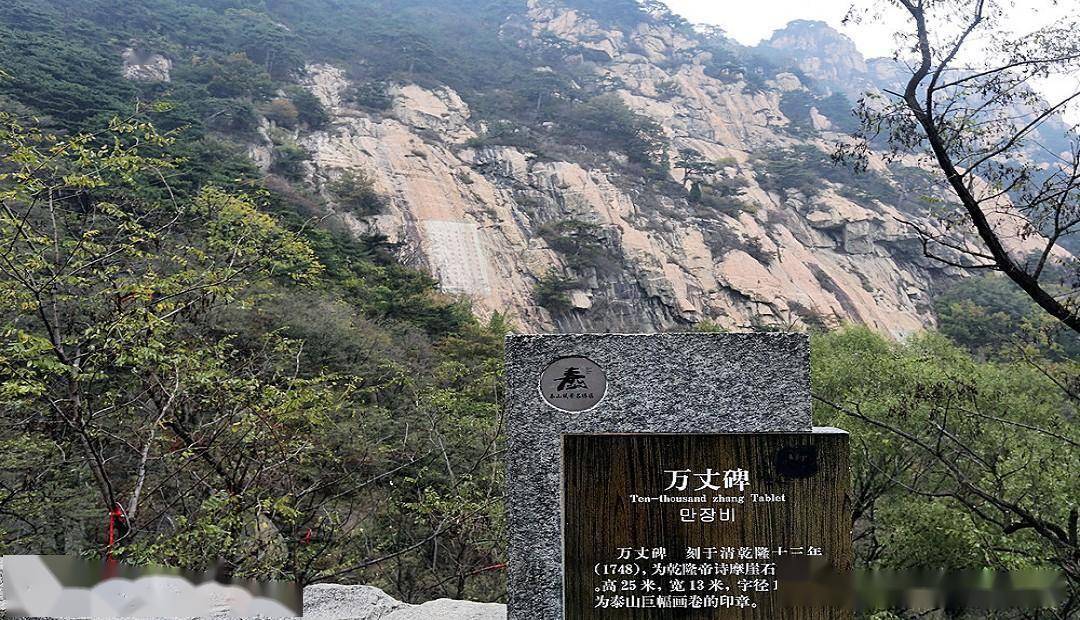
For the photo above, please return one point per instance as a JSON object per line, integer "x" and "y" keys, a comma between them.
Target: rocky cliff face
{"x": 473, "y": 215}
{"x": 820, "y": 52}
{"x": 338, "y": 602}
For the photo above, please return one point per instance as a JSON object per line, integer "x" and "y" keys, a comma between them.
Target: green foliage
{"x": 990, "y": 316}
{"x": 230, "y": 76}
{"x": 428, "y": 42}
{"x": 64, "y": 62}
{"x": 368, "y": 273}
{"x": 73, "y": 79}
{"x": 289, "y": 157}
{"x": 953, "y": 460}
{"x": 612, "y": 13}
{"x": 721, "y": 193}
{"x": 722, "y": 240}
{"x": 218, "y": 331}
{"x": 355, "y": 191}
{"x": 551, "y": 292}
{"x": 795, "y": 169}
{"x": 309, "y": 109}
{"x": 606, "y": 123}
{"x": 667, "y": 89}
{"x": 708, "y": 327}
{"x": 231, "y": 58}
{"x": 370, "y": 95}
{"x": 43, "y": 503}
{"x": 731, "y": 64}
{"x": 98, "y": 349}
{"x": 341, "y": 415}
{"x": 504, "y": 133}
{"x": 282, "y": 112}
{"x": 696, "y": 194}
{"x": 694, "y": 166}
{"x": 802, "y": 168}
{"x": 725, "y": 65}
{"x": 234, "y": 227}
{"x": 796, "y": 106}
{"x": 709, "y": 190}
{"x": 602, "y": 123}
{"x": 582, "y": 245}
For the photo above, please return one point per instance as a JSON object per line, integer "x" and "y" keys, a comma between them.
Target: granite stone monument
{"x": 669, "y": 476}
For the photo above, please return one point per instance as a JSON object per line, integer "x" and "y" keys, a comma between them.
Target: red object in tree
{"x": 116, "y": 514}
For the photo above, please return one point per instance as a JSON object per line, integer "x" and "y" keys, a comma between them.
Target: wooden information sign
{"x": 702, "y": 526}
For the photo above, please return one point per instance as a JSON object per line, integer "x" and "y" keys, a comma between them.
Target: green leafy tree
{"x": 370, "y": 95}
{"x": 605, "y": 121}
{"x": 972, "y": 112}
{"x": 309, "y": 109}
{"x": 583, "y": 246}
{"x": 695, "y": 168}
{"x": 956, "y": 464}
{"x": 186, "y": 358}
{"x": 231, "y": 76}
{"x": 102, "y": 302}
{"x": 991, "y": 317}
{"x": 695, "y": 193}
{"x": 289, "y": 157}
{"x": 283, "y": 112}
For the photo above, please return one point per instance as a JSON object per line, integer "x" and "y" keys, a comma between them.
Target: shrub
{"x": 695, "y": 166}
{"x": 988, "y": 314}
{"x": 606, "y": 123}
{"x": 235, "y": 117}
{"x": 370, "y": 95}
{"x": 282, "y": 112}
{"x": 309, "y": 108}
{"x": 696, "y": 194}
{"x": 723, "y": 195}
{"x": 355, "y": 192}
{"x": 796, "y": 169}
{"x": 667, "y": 89}
{"x": 796, "y": 105}
{"x": 289, "y": 158}
{"x": 803, "y": 168}
{"x": 722, "y": 240}
{"x": 582, "y": 245}
{"x": 504, "y": 133}
{"x": 228, "y": 77}
{"x": 551, "y": 291}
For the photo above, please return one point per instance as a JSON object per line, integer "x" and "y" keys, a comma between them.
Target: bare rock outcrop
{"x": 335, "y": 602}
{"x": 143, "y": 66}
{"x": 474, "y": 214}
{"x": 341, "y": 602}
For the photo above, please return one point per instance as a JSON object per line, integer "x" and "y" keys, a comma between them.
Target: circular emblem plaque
{"x": 573, "y": 384}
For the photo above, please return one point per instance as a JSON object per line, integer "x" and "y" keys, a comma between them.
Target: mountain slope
{"x": 576, "y": 165}
{"x": 501, "y": 214}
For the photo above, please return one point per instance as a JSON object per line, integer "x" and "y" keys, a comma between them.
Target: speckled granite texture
{"x": 665, "y": 383}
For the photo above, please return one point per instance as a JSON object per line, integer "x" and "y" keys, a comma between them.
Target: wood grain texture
{"x": 602, "y": 471}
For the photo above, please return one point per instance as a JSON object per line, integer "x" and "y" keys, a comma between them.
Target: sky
{"x": 748, "y": 22}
